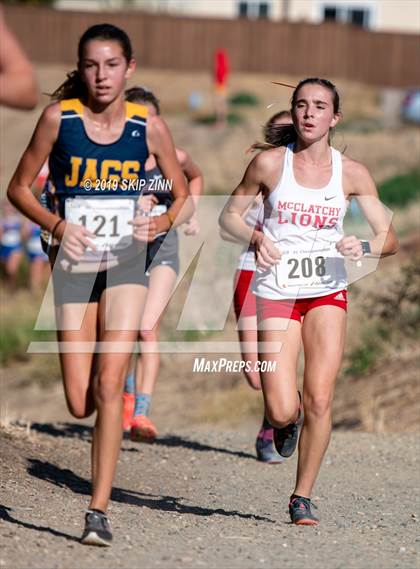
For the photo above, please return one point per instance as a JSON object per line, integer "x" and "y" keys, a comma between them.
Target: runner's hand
{"x": 146, "y": 203}
{"x": 351, "y": 247}
{"x": 193, "y": 227}
{"x": 75, "y": 239}
{"x": 266, "y": 253}
{"x": 144, "y": 228}
{"x": 162, "y": 224}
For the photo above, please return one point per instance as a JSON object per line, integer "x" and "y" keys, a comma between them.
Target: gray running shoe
{"x": 300, "y": 511}
{"x": 265, "y": 448}
{"x": 286, "y": 439}
{"x": 97, "y": 529}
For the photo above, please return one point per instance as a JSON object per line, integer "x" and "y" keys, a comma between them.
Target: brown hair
{"x": 74, "y": 87}
{"x": 275, "y": 133}
{"x": 283, "y": 135}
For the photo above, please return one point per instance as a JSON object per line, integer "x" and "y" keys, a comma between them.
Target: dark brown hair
{"x": 283, "y": 135}
{"x": 275, "y": 133}
{"x": 73, "y": 86}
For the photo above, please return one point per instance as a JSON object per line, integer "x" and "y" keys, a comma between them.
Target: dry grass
{"x": 230, "y": 406}
{"x": 12, "y": 428}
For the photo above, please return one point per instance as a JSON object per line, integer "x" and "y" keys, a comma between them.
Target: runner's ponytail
{"x": 72, "y": 88}
{"x": 275, "y": 133}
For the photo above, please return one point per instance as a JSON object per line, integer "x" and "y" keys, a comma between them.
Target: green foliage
{"x": 23, "y": 274}
{"x": 232, "y": 118}
{"x": 400, "y": 190}
{"x": 397, "y": 306}
{"x": 15, "y": 338}
{"x": 364, "y": 125}
{"x": 244, "y": 99}
{"x": 18, "y": 316}
{"x": 363, "y": 358}
{"x": 394, "y": 316}
{"x": 196, "y": 335}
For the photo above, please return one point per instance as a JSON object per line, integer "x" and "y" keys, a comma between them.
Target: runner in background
{"x": 301, "y": 280}
{"x": 245, "y": 301}
{"x": 162, "y": 269}
{"x": 11, "y": 249}
{"x": 18, "y": 88}
{"x": 39, "y": 267}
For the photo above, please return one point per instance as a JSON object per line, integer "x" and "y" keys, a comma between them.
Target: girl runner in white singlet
{"x": 301, "y": 280}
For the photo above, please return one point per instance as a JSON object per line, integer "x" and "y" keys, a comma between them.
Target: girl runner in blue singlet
{"x": 97, "y": 144}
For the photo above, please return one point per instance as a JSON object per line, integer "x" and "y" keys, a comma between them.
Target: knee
{"x": 253, "y": 379}
{"x": 281, "y": 414}
{"x": 317, "y": 406}
{"x": 109, "y": 388}
{"x": 148, "y": 336}
{"x": 80, "y": 410}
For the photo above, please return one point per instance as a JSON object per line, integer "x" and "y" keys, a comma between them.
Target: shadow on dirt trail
{"x": 84, "y": 432}
{"x": 5, "y": 515}
{"x": 65, "y": 478}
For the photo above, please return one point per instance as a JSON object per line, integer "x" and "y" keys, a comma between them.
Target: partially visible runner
{"x": 162, "y": 269}
{"x": 18, "y": 87}
{"x": 244, "y": 299}
{"x": 39, "y": 267}
{"x": 245, "y": 303}
{"x": 11, "y": 249}
{"x": 301, "y": 280}
{"x": 95, "y": 139}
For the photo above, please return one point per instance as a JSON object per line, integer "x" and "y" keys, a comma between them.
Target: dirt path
{"x": 198, "y": 498}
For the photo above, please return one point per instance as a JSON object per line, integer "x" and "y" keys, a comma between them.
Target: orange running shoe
{"x": 128, "y": 410}
{"x": 142, "y": 429}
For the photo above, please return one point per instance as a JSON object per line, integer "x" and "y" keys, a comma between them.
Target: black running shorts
{"x": 88, "y": 287}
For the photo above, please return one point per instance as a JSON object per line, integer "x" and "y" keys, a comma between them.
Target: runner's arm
{"x": 226, "y": 236}
{"x": 361, "y": 185}
{"x": 231, "y": 219}
{"x": 194, "y": 178}
{"x": 18, "y": 88}
{"x": 259, "y": 172}
{"x": 192, "y": 172}
{"x": 160, "y": 144}
{"x": 19, "y": 191}
{"x": 75, "y": 238}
